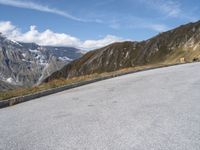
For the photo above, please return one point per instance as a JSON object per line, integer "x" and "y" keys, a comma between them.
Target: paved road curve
{"x": 151, "y": 110}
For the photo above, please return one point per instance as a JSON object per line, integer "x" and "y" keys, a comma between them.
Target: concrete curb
{"x": 21, "y": 99}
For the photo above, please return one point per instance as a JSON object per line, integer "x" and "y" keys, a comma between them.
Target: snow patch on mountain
{"x": 65, "y": 58}
{"x": 15, "y": 42}
{"x": 10, "y": 80}
{"x": 34, "y": 51}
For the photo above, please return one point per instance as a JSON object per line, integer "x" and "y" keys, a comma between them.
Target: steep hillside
{"x": 25, "y": 64}
{"x": 6, "y": 86}
{"x": 181, "y": 44}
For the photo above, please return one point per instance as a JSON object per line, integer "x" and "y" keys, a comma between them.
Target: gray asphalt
{"x": 151, "y": 110}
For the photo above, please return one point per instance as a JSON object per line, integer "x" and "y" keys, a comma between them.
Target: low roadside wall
{"x": 17, "y": 100}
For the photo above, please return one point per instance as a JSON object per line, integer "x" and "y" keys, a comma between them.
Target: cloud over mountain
{"x": 51, "y": 38}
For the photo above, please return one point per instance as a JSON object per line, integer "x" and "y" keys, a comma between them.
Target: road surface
{"x": 151, "y": 110}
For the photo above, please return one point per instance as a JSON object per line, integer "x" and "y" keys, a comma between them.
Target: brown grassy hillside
{"x": 178, "y": 45}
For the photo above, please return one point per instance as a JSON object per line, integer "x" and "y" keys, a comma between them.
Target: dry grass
{"x": 61, "y": 82}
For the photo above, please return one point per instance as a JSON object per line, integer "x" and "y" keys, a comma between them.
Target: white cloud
{"x": 102, "y": 42}
{"x": 51, "y": 38}
{"x": 132, "y": 22}
{"x": 171, "y": 8}
{"x": 168, "y": 7}
{"x": 157, "y": 27}
{"x": 6, "y": 27}
{"x": 39, "y": 7}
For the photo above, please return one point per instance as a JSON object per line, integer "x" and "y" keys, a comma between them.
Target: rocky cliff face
{"x": 5, "y": 86}
{"x": 25, "y": 64}
{"x": 180, "y": 44}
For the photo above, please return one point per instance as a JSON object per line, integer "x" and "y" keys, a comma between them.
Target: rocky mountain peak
{"x": 25, "y": 64}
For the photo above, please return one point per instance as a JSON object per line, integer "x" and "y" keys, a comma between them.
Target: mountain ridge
{"x": 179, "y": 44}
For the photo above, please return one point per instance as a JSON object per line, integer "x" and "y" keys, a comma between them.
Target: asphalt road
{"x": 151, "y": 110}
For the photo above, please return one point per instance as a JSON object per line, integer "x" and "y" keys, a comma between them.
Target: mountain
{"x": 26, "y": 64}
{"x": 180, "y": 44}
{"x": 63, "y": 53}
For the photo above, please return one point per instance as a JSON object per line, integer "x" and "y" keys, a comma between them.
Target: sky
{"x": 91, "y": 24}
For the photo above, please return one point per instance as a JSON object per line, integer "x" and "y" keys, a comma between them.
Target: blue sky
{"x": 91, "y": 24}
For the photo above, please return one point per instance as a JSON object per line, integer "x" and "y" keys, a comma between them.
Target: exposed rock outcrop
{"x": 25, "y": 64}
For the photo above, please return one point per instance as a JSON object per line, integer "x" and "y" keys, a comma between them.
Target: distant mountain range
{"x": 178, "y": 45}
{"x": 26, "y": 64}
